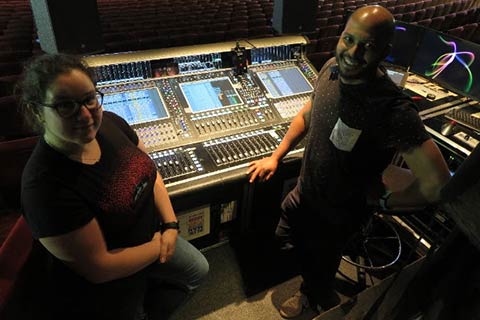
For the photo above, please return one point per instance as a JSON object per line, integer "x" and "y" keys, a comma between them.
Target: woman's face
{"x": 80, "y": 128}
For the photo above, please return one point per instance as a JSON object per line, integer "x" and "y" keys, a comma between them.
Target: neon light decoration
{"x": 465, "y": 58}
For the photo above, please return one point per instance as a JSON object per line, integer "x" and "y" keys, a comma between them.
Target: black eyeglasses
{"x": 69, "y": 108}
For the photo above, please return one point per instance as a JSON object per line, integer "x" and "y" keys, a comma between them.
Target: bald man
{"x": 356, "y": 120}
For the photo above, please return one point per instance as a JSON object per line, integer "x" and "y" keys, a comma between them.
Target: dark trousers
{"x": 318, "y": 243}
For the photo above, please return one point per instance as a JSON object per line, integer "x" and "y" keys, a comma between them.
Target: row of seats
{"x": 449, "y": 6}
{"x": 429, "y": 13}
{"x": 451, "y": 21}
{"x": 391, "y": 2}
{"x": 435, "y": 12}
{"x": 469, "y": 32}
{"x": 18, "y": 46}
{"x": 22, "y": 261}
{"x": 263, "y": 10}
{"x": 203, "y": 31}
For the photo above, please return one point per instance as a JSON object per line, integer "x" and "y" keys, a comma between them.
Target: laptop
{"x": 398, "y": 76}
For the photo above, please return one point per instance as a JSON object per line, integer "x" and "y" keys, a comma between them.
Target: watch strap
{"x": 170, "y": 225}
{"x": 382, "y": 201}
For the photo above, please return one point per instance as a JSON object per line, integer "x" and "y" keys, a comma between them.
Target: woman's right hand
{"x": 262, "y": 169}
{"x": 156, "y": 239}
{"x": 156, "y": 236}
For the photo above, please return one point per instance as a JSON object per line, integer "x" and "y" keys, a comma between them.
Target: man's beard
{"x": 361, "y": 72}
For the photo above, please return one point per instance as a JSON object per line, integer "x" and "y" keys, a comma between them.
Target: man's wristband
{"x": 382, "y": 201}
{"x": 169, "y": 225}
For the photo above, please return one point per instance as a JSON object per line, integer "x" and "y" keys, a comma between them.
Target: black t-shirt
{"x": 60, "y": 195}
{"x": 353, "y": 135}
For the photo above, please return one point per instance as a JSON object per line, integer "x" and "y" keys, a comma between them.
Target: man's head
{"x": 364, "y": 43}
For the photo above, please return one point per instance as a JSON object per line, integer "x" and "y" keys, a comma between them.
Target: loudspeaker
{"x": 294, "y": 16}
{"x": 68, "y": 26}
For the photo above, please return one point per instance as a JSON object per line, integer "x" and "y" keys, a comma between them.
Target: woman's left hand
{"x": 167, "y": 244}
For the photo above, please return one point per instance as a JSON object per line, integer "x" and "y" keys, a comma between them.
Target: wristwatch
{"x": 169, "y": 225}
{"x": 383, "y": 200}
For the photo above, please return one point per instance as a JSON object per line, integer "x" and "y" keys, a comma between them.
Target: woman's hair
{"x": 37, "y": 77}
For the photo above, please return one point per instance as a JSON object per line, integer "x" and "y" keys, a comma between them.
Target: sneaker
{"x": 294, "y": 306}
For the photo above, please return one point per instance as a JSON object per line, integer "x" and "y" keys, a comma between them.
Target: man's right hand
{"x": 263, "y": 169}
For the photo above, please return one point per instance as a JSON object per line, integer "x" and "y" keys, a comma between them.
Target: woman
{"x": 96, "y": 202}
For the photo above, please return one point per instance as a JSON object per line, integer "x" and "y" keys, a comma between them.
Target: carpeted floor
{"x": 223, "y": 296}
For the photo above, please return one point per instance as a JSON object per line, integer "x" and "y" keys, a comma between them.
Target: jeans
{"x": 170, "y": 284}
{"x": 318, "y": 243}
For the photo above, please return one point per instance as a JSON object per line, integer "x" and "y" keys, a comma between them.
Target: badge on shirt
{"x": 343, "y": 137}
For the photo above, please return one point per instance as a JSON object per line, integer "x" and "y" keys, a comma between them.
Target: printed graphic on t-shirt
{"x": 343, "y": 137}
{"x": 139, "y": 189}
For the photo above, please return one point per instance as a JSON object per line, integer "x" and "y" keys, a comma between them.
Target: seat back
{"x": 23, "y": 280}
{"x": 14, "y": 155}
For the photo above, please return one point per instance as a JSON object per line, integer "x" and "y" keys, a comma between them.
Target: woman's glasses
{"x": 69, "y": 108}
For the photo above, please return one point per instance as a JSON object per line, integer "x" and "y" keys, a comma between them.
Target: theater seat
{"x": 7, "y": 83}
{"x": 429, "y": 13}
{"x": 14, "y": 252}
{"x": 10, "y": 68}
{"x": 457, "y": 32}
{"x": 437, "y": 23}
{"x": 475, "y": 37}
{"x": 468, "y": 30}
{"x": 318, "y": 59}
{"x": 449, "y": 21}
{"x": 329, "y": 31}
{"x": 408, "y": 17}
{"x": 419, "y": 15}
{"x": 23, "y": 280}
{"x": 426, "y": 23}
{"x": 11, "y": 121}
{"x": 13, "y": 157}
{"x": 327, "y": 44}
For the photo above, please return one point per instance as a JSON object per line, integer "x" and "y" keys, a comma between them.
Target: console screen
{"x": 136, "y": 106}
{"x": 210, "y": 94}
{"x": 284, "y": 82}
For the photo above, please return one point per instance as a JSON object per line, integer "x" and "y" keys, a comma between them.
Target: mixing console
{"x": 231, "y": 149}
{"x": 468, "y": 116}
{"x": 202, "y": 121}
{"x": 218, "y": 155}
{"x": 177, "y": 162}
{"x": 457, "y": 126}
{"x": 122, "y": 71}
{"x": 195, "y": 114}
